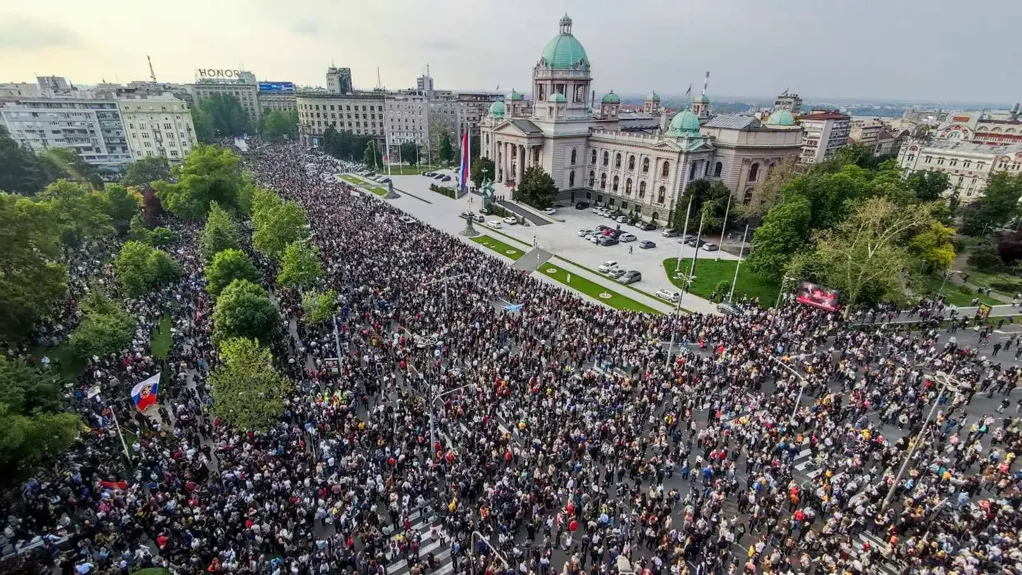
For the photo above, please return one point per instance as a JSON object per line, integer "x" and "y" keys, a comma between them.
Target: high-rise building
{"x": 789, "y": 102}
{"x": 276, "y": 96}
{"x": 54, "y": 84}
{"x": 338, "y": 80}
{"x": 472, "y": 108}
{"x": 240, "y": 84}
{"x": 157, "y": 126}
{"x": 405, "y": 113}
{"x": 424, "y": 83}
{"x": 825, "y": 133}
{"x": 361, "y": 113}
{"x": 91, "y": 127}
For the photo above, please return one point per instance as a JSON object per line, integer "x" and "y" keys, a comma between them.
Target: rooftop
{"x": 968, "y": 147}
{"x": 824, "y": 116}
{"x": 734, "y": 122}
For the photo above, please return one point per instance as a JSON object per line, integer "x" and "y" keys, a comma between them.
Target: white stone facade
{"x": 969, "y": 165}
{"x": 361, "y": 113}
{"x": 157, "y": 126}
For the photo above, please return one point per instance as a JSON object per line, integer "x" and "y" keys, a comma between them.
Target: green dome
{"x": 557, "y": 97}
{"x": 654, "y": 97}
{"x": 611, "y": 98}
{"x": 564, "y": 52}
{"x": 497, "y": 109}
{"x": 702, "y": 99}
{"x": 781, "y": 118}
{"x": 515, "y": 96}
{"x": 684, "y": 123}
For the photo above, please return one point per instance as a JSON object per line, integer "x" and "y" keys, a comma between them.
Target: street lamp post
{"x": 723, "y": 229}
{"x": 432, "y": 410}
{"x": 946, "y": 381}
{"x": 802, "y": 383}
{"x": 497, "y": 554}
{"x": 738, "y": 266}
{"x": 784, "y": 282}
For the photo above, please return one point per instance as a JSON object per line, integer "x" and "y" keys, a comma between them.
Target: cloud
{"x": 305, "y": 28}
{"x": 19, "y": 33}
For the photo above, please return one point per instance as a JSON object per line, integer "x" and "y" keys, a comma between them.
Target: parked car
{"x": 467, "y": 214}
{"x": 584, "y": 233}
{"x": 710, "y": 247}
{"x": 445, "y": 179}
{"x": 428, "y": 174}
{"x": 484, "y": 211}
{"x": 728, "y": 309}
{"x": 616, "y": 273}
{"x": 597, "y": 210}
{"x": 670, "y": 233}
{"x": 510, "y": 220}
{"x": 626, "y": 237}
{"x": 693, "y": 242}
{"x": 630, "y": 277}
{"x": 438, "y": 176}
{"x": 595, "y": 238}
{"x": 549, "y": 211}
{"x": 669, "y": 295}
{"x": 385, "y": 180}
{"x": 607, "y": 266}
{"x": 608, "y": 241}
{"x": 645, "y": 226}
{"x": 621, "y": 219}
{"x": 582, "y": 205}
{"x": 647, "y": 244}
{"x": 494, "y": 224}
{"x": 602, "y": 227}
{"x": 479, "y": 218}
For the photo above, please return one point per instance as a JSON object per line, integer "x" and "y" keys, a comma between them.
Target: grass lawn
{"x": 709, "y": 273}
{"x": 404, "y": 170}
{"x": 498, "y": 246}
{"x": 1009, "y": 284}
{"x": 594, "y": 290}
{"x": 956, "y": 293}
{"x": 160, "y": 345}
{"x": 62, "y": 360}
{"x": 364, "y": 184}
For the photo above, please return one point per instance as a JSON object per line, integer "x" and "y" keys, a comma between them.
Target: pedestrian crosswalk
{"x": 429, "y": 538}
{"x": 874, "y": 542}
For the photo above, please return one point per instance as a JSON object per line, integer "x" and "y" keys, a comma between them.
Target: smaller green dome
{"x": 653, "y": 97}
{"x": 781, "y": 118}
{"x": 565, "y": 20}
{"x": 515, "y": 96}
{"x": 684, "y": 123}
{"x": 497, "y": 109}
{"x": 702, "y": 99}
{"x": 557, "y": 97}
{"x": 611, "y": 98}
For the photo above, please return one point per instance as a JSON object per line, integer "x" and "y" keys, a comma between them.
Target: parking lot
{"x": 560, "y": 237}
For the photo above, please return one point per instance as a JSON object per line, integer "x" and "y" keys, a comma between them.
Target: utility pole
{"x": 723, "y": 230}
{"x": 741, "y": 253}
{"x": 677, "y": 270}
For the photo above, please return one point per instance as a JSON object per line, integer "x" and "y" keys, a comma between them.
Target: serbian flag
{"x": 465, "y": 167}
{"x": 122, "y": 485}
{"x": 144, "y": 394}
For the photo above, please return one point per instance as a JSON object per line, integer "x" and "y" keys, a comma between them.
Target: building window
{"x": 593, "y": 161}
{"x": 628, "y": 187}
{"x": 966, "y": 164}
{"x": 666, "y": 170}
{"x": 616, "y": 180}
{"x": 980, "y": 165}
{"x": 717, "y": 169}
{"x": 592, "y": 178}
{"x": 617, "y": 161}
{"x": 913, "y": 156}
{"x": 928, "y": 159}
{"x": 661, "y": 195}
{"x": 606, "y": 158}
{"x": 573, "y": 157}
{"x": 631, "y": 162}
{"x": 642, "y": 190}
{"x": 603, "y": 181}
{"x": 940, "y": 161}
{"x": 645, "y": 165}
{"x": 953, "y": 162}
{"x": 571, "y": 176}
{"x": 753, "y": 172}
{"x": 748, "y": 196}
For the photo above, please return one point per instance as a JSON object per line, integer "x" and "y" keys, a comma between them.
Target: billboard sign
{"x": 218, "y": 73}
{"x": 282, "y": 87}
{"x": 818, "y": 296}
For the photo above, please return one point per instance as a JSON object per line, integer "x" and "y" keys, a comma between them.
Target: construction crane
{"x": 152, "y": 74}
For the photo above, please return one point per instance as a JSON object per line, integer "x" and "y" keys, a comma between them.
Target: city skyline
{"x": 754, "y": 50}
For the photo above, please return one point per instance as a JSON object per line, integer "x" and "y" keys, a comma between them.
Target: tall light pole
{"x": 784, "y": 281}
{"x": 432, "y": 410}
{"x": 677, "y": 271}
{"x": 737, "y": 267}
{"x": 723, "y": 230}
{"x": 946, "y": 381}
{"x": 802, "y": 383}
{"x": 497, "y": 554}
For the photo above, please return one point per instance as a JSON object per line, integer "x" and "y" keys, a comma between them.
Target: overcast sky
{"x": 935, "y": 50}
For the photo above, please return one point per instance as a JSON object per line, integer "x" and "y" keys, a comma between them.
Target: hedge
{"x": 449, "y": 192}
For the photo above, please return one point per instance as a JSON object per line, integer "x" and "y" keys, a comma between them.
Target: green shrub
{"x": 986, "y": 258}
{"x": 449, "y": 192}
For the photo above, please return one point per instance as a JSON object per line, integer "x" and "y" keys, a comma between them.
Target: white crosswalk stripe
{"x": 886, "y": 567}
{"x": 803, "y": 458}
{"x": 428, "y": 543}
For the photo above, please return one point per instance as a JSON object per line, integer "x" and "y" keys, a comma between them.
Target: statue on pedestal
{"x": 488, "y": 194}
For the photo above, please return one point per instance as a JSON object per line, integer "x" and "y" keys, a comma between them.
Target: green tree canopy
{"x": 277, "y": 226}
{"x": 278, "y": 125}
{"x": 141, "y": 268}
{"x": 537, "y": 188}
{"x": 21, "y": 170}
{"x": 144, "y": 171}
{"x": 446, "y": 148}
{"x": 161, "y": 236}
{"x": 80, "y": 211}
{"x": 372, "y": 157}
{"x": 997, "y": 207}
{"x": 932, "y": 249}
{"x": 244, "y": 309}
{"x": 769, "y": 192}
{"x": 227, "y": 266}
{"x": 208, "y": 174}
{"x": 709, "y": 196}
{"x": 224, "y": 116}
{"x": 344, "y": 145}
{"x": 66, "y": 163}
{"x": 318, "y": 306}
{"x": 123, "y": 204}
{"x": 32, "y": 278}
{"x": 300, "y": 266}
{"x": 784, "y": 233}
{"x": 220, "y": 233}
{"x": 482, "y": 169}
{"x": 929, "y": 185}
{"x": 105, "y": 329}
{"x": 410, "y": 153}
{"x": 247, "y": 391}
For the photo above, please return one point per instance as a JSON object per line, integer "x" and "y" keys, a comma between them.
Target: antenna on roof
{"x": 152, "y": 74}
{"x": 706, "y": 83}
{"x": 427, "y": 69}
{"x": 379, "y": 84}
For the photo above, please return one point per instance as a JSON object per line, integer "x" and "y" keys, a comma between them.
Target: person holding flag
{"x": 144, "y": 394}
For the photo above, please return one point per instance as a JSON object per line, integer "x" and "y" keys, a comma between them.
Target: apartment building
{"x": 91, "y": 127}
{"x": 361, "y": 113}
{"x": 157, "y": 126}
{"x": 824, "y": 134}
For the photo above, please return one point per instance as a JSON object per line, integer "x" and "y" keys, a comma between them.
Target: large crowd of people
{"x": 563, "y": 436}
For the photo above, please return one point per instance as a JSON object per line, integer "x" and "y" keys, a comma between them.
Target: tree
{"x": 318, "y": 306}
{"x": 161, "y": 236}
{"x": 106, "y": 329}
{"x": 300, "y": 266}
{"x": 709, "y": 196}
{"x": 932, "y": 249}
{"x": 225, "y": 116}
{"x": 227, "y": 266}
{"x": 446, "y": 149}
{"x": 219, "y": 234}
{"x": 145, "y": 171}
{"x": 473, "y": 147}
{"x": 162, "y": 269}
{"x": 482, "y": 169}
{"x": 141, "y": 268}
{"x": 410, "y": 153}
{"x": 784, "y": 233}
{"x": 278, "y": 125}
{"x": 998, "y": 206}
{"x": 537, "y": 188}
{"x": 80, "y": 211}
{"x": 32, "y": 277}
{"x": 371, "y": 157}
{"x": 244, "y": 309}
{"x": 138, "y": 231}
{"x": 278, "y": 226}
{"x": 856, "y": 154}
{"x": 986, "y": 258}
{"x": 247, "y": 391}
{"x": 866, "y": 254}
{"x": 929, "y": 185}
{"x": 203, "y": 126}
{"x": 66, "y": 163}
{"x": 123, "y": 204}
{"x": 208, "y": 174}
{"x": 769, "y": 193}
{"x": 20, "y": 169}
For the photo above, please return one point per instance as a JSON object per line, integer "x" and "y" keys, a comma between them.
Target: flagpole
{"x": 723, "y": 230}
{"x": 677, "y": 268}
{"x": 117, "y": 425}
{"x": 741, "y": 252}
